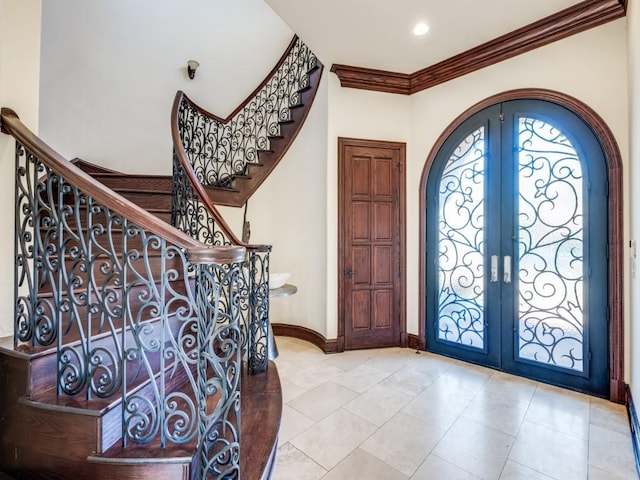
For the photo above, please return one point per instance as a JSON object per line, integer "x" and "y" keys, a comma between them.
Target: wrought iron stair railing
{"x": 132, "y": 308}
{"x": 231, "y": 157}
{"x": 194, "y": 213}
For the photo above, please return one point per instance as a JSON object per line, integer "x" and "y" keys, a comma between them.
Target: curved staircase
{"x": 141, "y": 324}
{"x": 231, "y": 157}
{"x": 126, "y": 361}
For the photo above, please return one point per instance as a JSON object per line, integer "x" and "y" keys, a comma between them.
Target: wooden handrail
{"x": 12, "y": 125}
{"x": 195, "y": 183}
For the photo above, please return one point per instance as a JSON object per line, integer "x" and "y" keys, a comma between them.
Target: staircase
{"x": 231, "y": 157}
{"x": 127, "y": 356}
{"x": 141, "y": 321}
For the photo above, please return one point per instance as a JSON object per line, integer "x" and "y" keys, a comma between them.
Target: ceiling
{"x": 378, "y": 33}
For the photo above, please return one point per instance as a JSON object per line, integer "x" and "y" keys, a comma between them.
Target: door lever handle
{"x": 349, "y": 273}
{"x": 507, "y": 269}
{"x": 494, "y": 268}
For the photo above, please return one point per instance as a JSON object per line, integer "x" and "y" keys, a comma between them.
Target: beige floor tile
{"x": 361, "y": 378}
{"x": 456, "y": 411}
{"x": 515, "y": 471}
{"x": 496, "y": 412}
{"x": 597, "y": 474}
{"x": 290, "y": 343}
{"x": 561, "y": 410}
{"x": 333, "y": 438}
{"x": 612, "y": 452}
{"x": 434, "y": 468}
{"x": 609, "y": 415}
{"x": 476, "y": 448}
{"x": 323, "y": 400}
{"x": 472, "y": 367}
{"x": 389, "y": 362}
{"x": 312, "y": 376}
{"x": 285, "y": 368}
{"x": 361, "y": 465}
{"x": 378, "y": 404}
{"x": 431, "y": 364}
{"x": 347, "y": 361}
{"x": 301, "y": 357}
{"x": 438, "y": 405}
{"x": 292, "y": 464}
{"x": 292, "y": 424}
{"x": 403, "y": 443}
{"x": 410, "y": 380}
{"x": 290, "y": 390}
{"x": 462, "y": 382}
{"x": 511, "y": 387}
{"x": 556, "y": 454}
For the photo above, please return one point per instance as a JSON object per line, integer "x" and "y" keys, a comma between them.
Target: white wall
{"x": 355, "y": 114}
{"x": 96, "y": 104}
{"x": 590, "y": 66}
{"x": 633, "y": 19}
{"x": 289, "y": 212}
{"x": 110, "y": 70}
{"x": 19, "y": 77}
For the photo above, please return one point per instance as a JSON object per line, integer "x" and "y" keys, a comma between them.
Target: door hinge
{"x": 607, "y": 250}
{"x": 608, "y": 314}
{"x": 501, "y": 117}
{"x": 606, "y": 188}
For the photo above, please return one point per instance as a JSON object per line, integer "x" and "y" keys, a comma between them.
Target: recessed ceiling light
{"x": 420, "y": 29}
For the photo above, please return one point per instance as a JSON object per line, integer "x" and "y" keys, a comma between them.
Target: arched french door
{"x": 517, "y": 245}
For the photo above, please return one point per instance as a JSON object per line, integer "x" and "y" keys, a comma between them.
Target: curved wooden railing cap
{"x": 195, "y": 183}
{"x": 10, "y": 124}
{"x": 251, "y": 96}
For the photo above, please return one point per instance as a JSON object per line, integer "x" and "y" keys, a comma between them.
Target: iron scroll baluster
{"x": 192, "y": 215}
{"x": 130, "y": 316}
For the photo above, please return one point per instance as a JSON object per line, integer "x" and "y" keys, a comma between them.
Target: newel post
{"x": 219, "y": 361}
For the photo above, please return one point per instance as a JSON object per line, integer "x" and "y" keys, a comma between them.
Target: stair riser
{"x": 111, "y": 422}
{"x": 153, "y": 265}
{"x": 101, "y": 225}
{"x": 80, "y": 433}
{"x": 149, "y": 200}
{"x": 41, "y": 379}
{"x": 128, "y": 182}
{"x": 46, "y": 467}
{"x": 243, "y": 187}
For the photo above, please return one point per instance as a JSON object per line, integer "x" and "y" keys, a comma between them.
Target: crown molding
{"x": 372, "y": 79}
{"x": 578, "y": 18}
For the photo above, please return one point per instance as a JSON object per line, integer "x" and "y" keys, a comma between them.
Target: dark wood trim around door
{"x": 572, "y": 20}
{"x": 343, "y": 143}
{"x": 616, "y": 238}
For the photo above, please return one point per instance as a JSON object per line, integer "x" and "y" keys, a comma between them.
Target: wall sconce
{"x": 192, "y": 66}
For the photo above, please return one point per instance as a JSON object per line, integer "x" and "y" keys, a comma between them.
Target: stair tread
{"x": 99, "y": 406}
{"x": 261, "y": 406}
{"x": 142, "y": 191}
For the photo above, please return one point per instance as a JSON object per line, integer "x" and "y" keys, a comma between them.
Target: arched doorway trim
{"x": 615, "y": 210}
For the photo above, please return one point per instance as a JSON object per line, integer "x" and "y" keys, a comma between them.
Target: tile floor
{"x": 392, "y": 414}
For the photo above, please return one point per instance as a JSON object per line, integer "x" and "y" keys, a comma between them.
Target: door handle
{"x": 494, "y": 268}
{"x": 507, "y": 269}
{"x": 349, "y": 273}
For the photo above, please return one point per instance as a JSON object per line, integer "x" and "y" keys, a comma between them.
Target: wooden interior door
{"x": 371, "y": 254}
